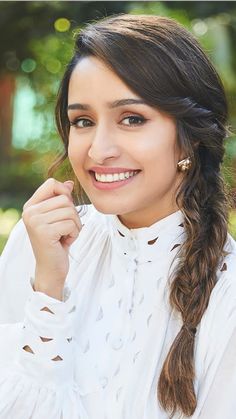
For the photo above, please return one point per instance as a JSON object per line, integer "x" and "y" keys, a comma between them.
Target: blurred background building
{"x": 37, "y": 42}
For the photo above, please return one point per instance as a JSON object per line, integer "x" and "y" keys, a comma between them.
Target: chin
{"x": 106, "y": 209}
{"x": 110, "y": 208}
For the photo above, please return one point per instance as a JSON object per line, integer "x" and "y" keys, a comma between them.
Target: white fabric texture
{"x": 113, "y": 329}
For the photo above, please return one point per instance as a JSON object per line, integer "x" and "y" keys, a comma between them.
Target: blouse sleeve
{"x": 37, "y": 354}
{"x": 17, "y": 265}
{"x": 39, "y": 382}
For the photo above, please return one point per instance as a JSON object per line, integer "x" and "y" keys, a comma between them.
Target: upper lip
{"x": 111, "y": 170}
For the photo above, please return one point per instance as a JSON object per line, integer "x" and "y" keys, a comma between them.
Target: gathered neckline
{"x": 162, "y": 226}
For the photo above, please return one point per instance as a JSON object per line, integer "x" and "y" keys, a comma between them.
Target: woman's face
{"x": 130, "y": 146}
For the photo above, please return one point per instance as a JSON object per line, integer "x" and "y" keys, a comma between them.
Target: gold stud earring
{"x": 184, "y": 165}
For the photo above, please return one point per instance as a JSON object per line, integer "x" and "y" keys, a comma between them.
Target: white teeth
{"x": 109, "y": 178}
{"x": 114, "y": 177}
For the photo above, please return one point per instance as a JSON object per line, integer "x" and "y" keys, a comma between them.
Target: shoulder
{"x": 230, "y": 249}
{"x": 226, "y": 274}
{"x": 220, "y": 315}
{"x": 17, "y": 265}
{"x": 224, "y": 292}
{"x": 18, "y": 240}
{"x": 218, "y": 323}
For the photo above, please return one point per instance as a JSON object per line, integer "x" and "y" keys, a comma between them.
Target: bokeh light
{"x": 199, "y": 27}
{"x": 62, "y": 24}
{"x": 53, "y": 66}
{"x": 28, "y": 65}
{"x": 12, "y": 62}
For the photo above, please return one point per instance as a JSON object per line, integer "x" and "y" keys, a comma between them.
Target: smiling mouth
{"x": 113, "y": 177}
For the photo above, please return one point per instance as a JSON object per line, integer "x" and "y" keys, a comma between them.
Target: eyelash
{"x": 140, "y": 118}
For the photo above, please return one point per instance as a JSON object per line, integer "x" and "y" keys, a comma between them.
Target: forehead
{"x": 92, "y": 78}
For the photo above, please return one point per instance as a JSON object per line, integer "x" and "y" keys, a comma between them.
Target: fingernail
{"x": 69, "y": 184}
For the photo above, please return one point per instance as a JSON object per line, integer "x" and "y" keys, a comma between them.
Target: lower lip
{"x": 111, "y": 185}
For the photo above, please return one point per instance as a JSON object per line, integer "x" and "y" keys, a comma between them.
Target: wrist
{"x": 52, "y": 290}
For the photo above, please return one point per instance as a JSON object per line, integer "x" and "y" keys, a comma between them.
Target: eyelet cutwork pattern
{"x": 175, "y": 246}
{"x": 47, "y": 330}
{"x": 140, "y": 249}
{"x": 224, "y": 267}
{"x": 46, "y": 309}
{"x": 121, "y": 234}
{"x": 150, "y": 242}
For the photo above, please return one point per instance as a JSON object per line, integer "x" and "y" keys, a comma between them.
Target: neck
{"x": 145, "y": 218}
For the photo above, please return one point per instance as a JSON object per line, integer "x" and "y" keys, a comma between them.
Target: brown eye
{"x": 79, "y": 123}
{"x": 134, "y": 120}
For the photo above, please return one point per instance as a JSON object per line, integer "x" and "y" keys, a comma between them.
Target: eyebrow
{"x": 111, "y": 105}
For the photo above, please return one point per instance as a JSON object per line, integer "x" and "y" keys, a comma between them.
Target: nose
{"x": 103, "y": 145}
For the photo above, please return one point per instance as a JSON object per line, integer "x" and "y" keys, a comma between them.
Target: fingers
{"x": 40, "y": 210}
{"x": 50, "y": 188}
{"x": 61, "y": 201}
{"x": 64, "y": 228}
{"x": 53, "y": 224}
{"x": 57, "y": 215}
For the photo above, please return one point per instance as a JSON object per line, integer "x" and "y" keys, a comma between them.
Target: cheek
{"x": 159, "y": 154}
{"x": 72, "y": 159}
{"x": 75, "y": 152}
{"x": 71, "y": 152}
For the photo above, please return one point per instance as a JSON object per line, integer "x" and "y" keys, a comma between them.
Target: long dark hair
{"x": 165, "y": 65}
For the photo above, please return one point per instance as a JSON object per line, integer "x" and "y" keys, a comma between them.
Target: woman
{"x": 131, "y": 307}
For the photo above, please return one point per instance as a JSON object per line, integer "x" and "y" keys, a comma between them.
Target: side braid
{"x": 204, "y": 204}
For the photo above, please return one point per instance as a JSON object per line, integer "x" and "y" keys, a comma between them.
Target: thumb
{"x": 69, "y": 184}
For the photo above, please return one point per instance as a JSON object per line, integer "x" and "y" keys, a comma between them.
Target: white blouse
{"x": 98, "y": 353}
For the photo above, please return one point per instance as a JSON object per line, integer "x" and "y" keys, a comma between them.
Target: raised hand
{"x": 53, "y": 224}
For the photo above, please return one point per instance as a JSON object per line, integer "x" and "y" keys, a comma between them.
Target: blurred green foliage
{"x": 232, "y": 223}
{"x": 8, "y": 219}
